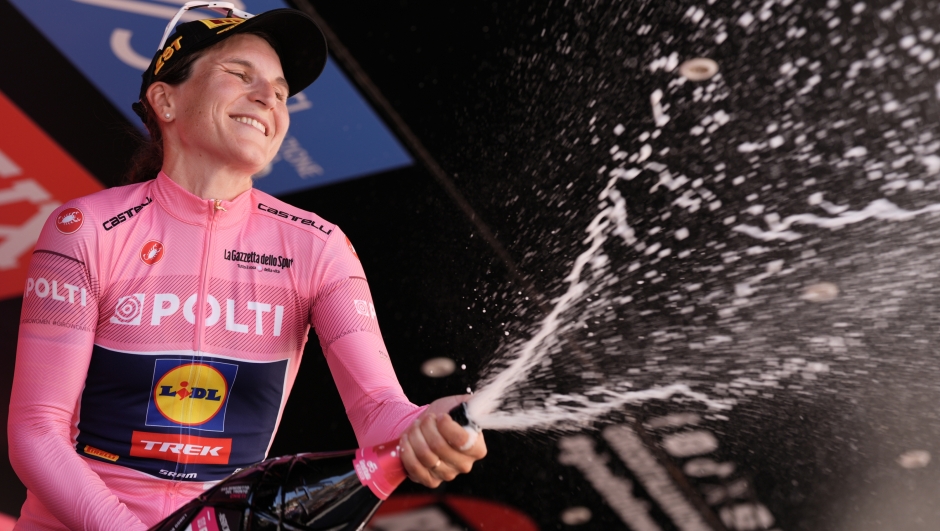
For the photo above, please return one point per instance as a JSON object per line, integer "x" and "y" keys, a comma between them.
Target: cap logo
{"x": 167, "y": 54}
{"x": 213, "y": 23}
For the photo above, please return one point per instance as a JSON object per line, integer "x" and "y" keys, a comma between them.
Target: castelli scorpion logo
{"x": 152, "y": 252}
{"x": 69, "y": 220}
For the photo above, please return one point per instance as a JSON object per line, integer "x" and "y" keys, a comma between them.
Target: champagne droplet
{"x": 914, "y": 459}
{"x": 820, "y": 292}
{"x": 698, "y": 69}
{"x": 576, "y": 515}
{"x": 438, "y": 367}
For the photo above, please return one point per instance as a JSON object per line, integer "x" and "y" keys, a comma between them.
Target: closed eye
{"x": 280, "y": 95}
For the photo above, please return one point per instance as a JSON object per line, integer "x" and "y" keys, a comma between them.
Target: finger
{"x": 458, "y": 438}
{"x": 433, "y": 457}
{"x": 442, "y": 406}
{"x": 453, "y": 462}
{"x": 423, "y": 450}
{"x": 470, "y": 442}
{"x": 413, "y": 467}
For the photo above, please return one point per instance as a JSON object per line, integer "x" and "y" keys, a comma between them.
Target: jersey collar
{"x": 188, "y": 208}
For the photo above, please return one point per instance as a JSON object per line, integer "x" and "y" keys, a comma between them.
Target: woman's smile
{"x": 252, "y": 122}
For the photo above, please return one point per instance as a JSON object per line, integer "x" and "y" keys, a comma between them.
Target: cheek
{"x": 283, "y": 122}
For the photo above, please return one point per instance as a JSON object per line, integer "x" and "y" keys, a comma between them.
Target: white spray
{"x": 564, "y": 410}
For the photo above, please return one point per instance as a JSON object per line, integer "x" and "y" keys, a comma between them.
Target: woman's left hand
{"x": 431, "y": 447}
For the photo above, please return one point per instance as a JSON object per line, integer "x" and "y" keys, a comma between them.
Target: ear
{"x": 160, "y": 95}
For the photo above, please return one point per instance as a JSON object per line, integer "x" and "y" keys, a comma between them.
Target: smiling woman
{"x": 173, "y": 312}
{"x": 149, "y": 159}
{"x": 227, "y": 121}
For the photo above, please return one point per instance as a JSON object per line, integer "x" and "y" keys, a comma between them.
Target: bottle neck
{"x": 380, "y": 468}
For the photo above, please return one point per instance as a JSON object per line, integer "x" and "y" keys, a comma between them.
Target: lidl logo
{"x": 191, "y": 394}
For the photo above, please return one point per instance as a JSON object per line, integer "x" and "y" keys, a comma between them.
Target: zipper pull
{"x": 218, "y": 205}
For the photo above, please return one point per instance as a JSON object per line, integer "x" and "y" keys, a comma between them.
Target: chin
{"x": 253, "y": 165}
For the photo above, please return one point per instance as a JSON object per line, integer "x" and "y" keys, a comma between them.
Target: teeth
{"x": 252, "y": 122}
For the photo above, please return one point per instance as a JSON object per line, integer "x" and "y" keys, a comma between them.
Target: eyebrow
{"x": 248, "y": 64}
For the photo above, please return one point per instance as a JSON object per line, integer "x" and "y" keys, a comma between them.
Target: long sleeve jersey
{"x": 160, "y": 336}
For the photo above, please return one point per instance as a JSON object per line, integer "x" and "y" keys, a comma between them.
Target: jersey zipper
{"x": 215, "y": 207}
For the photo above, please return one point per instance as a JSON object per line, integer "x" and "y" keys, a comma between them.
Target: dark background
{"x": 506, "y": 97}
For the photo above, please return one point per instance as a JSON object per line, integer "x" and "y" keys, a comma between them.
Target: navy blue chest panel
{"x": 183, "y": 417}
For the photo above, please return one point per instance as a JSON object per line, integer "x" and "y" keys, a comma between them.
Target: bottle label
{"x": 380, "y": 468}
{"x": 204, "y": 521}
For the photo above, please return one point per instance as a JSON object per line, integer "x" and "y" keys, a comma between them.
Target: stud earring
{"x": 167, "y": 116}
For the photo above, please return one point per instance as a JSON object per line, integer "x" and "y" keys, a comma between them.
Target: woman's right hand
{"x": 433, "y": 447}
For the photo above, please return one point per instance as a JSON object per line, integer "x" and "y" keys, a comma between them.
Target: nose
{"x": 265, "y": 93}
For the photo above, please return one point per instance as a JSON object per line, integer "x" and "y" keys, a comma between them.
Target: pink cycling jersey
{"x": 160, "y": 336}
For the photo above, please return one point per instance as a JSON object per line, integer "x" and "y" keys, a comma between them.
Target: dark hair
{"x": 148, "y": 159}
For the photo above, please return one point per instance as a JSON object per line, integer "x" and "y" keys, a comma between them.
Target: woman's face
{"x": 232, "y": 111}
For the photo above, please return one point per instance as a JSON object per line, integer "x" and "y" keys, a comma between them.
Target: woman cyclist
{"x": 163, "y": 322}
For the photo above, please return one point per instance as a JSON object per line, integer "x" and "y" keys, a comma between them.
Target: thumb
{"x": 444, "y": 405}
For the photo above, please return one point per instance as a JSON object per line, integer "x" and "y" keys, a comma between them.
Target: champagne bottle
{"x": 332, "y": 491}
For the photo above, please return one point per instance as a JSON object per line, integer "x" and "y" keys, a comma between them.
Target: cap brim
{"x": 301, "y": 45}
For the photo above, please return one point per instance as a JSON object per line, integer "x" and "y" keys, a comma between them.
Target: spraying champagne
{"x": 336, "y": 491}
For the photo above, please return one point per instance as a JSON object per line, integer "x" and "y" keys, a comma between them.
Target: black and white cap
{"x": 300, "y": 45}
